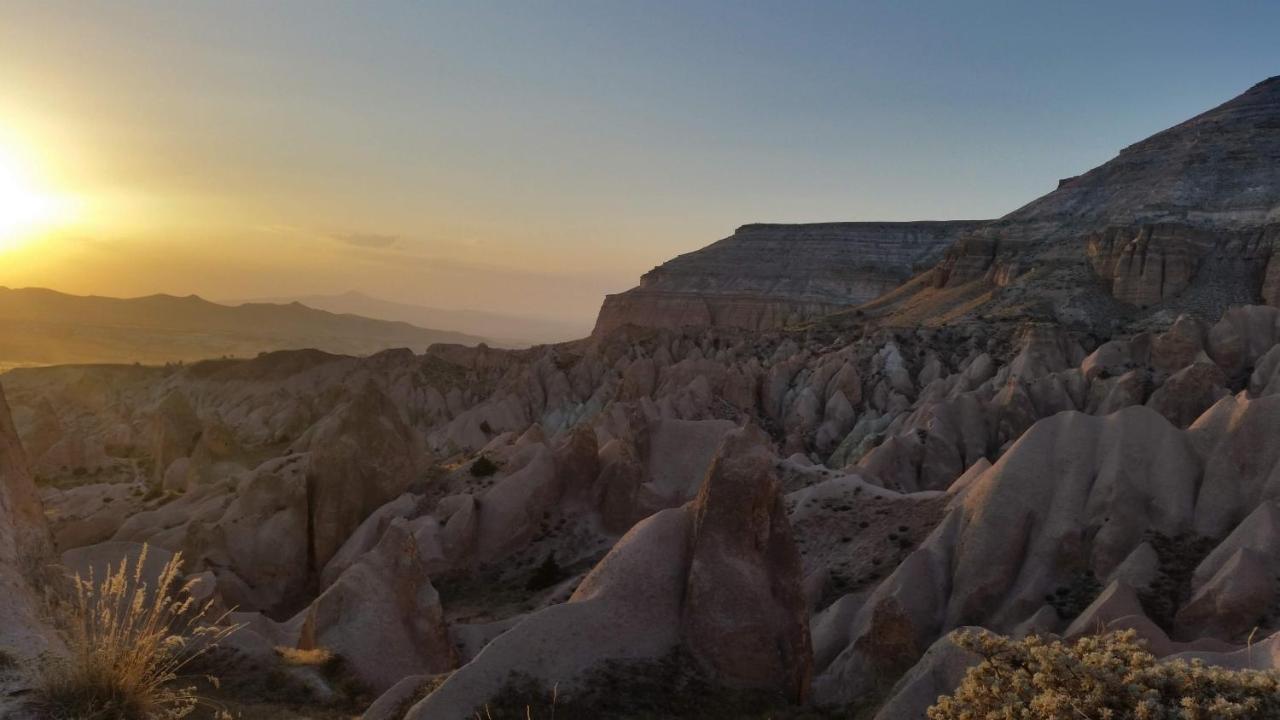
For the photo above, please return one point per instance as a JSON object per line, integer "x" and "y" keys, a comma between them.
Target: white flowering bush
{"x": 1100, "y": 677}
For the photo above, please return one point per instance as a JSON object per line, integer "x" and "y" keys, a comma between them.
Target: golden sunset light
{"x": 28, "y": 205}
{"x": 679, "y": 359}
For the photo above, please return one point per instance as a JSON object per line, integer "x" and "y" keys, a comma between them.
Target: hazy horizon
{"x": 529, "y": 160}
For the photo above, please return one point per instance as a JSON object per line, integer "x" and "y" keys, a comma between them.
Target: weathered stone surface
{"x": 1189, "y": 392}
{"x": 766, "y": 276}
{"x": 628, "y": 607}
{"x": 1019, "y": 532}
{"x": 938, "y": 673}
{"x": 1144, "y": 265}
{"x": 719, "y": 576}
{"x": 362, "y": 456}
{"x": 744, "y": 616}
{"x": 1184, "y": 220}
{"x": 1233, "y": 601}
{"x": 25, "y": 549}
{"x": 383, "y": 616}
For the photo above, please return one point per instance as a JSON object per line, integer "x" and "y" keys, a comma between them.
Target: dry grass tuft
{"x": 128, "y": 644}
{"x": 315, "y": 657}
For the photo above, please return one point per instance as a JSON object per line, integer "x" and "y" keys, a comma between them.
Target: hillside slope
{"x": 503, "y": 330}
{"x": 768, "y": 275}
{"x": 1186, "y": 220}
{"x": 44, "y": 327}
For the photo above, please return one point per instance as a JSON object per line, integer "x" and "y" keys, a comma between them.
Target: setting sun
{"x": 26, "y": 204}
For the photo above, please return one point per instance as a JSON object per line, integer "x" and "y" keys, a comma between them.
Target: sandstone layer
{"x": 1184, "y": 221}
{"x": 768, "y": 276}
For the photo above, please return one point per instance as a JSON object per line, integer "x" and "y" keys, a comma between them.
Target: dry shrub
{"x": 314, "y": 657}
{"x": 128, "y": 644}
{"x": 1110, "y": 676}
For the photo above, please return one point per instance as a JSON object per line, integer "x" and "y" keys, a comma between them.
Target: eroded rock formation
{"x": 769, "y": 276}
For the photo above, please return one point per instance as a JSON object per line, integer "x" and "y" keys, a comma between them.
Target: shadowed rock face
{"x": 24, "y": 544}
{"x": 766, "y": 276}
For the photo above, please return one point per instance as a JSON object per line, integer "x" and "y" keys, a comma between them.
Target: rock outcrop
{"x": 769, "y": 276}
{"x": 1186, "y": 220}
{"x": 25, "y": 549}
{"x": 719, "y": 576}
{"x": 382, "y": 615}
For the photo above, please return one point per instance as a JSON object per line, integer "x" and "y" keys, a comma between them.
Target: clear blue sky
{"x": 538, "y": 154}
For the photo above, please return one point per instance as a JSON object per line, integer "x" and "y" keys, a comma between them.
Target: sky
{"x": 529, "y": 157}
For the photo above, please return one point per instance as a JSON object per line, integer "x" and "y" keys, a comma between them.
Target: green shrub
{"x": 1102, "y": 676}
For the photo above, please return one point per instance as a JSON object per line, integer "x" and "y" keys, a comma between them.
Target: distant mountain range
{"x": 45, "y": 327}
{"x": 505, "y": 330}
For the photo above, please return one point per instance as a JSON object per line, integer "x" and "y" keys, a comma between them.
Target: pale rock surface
{"x": 660, "y": 587}
{"x": 938, "y": 673}
{"x": 744, "y": 617}
{"x": 1231, "y": 602}
{"x": 25, "y": 548}
{"x": 383, "y": 616}
{"x": 767, "y": 276}
{"x": 1116, "y": 600}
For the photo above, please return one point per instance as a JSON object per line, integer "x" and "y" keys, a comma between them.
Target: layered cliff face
{"x": 1184, "y": 221}
{"x": 767, "y": 276}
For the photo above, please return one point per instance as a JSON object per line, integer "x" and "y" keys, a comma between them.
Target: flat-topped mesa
{"x": 769, "y": 275}
{"x": 1184, "y": 221}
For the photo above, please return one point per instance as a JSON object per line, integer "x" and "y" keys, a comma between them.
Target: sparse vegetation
{"x": 1102, "y": 676}
{"x": 128, "y": 646}
{"x": 1179, "y": 556}
{"x": 547, "y": 573}
{"x": 1071, "y": 599}
{"x": 483, "y": 467}
{"x": 672, "y": 687}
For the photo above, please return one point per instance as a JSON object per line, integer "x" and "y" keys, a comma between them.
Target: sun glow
{"x": 27, "y": 205}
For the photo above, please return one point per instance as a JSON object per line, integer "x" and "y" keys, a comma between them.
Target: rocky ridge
{"x": 520, "y": 499}
{"x": 1184, "y": 221}
{"x": 766, "y": 276}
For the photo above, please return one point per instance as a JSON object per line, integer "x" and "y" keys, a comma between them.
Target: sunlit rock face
{"x": 767, "y": 276}
{"x": 24, "y": 547}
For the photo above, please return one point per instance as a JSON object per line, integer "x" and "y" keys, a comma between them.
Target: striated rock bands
{"x": 767, "y": 276}
{"x": 1183, "y": 221}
